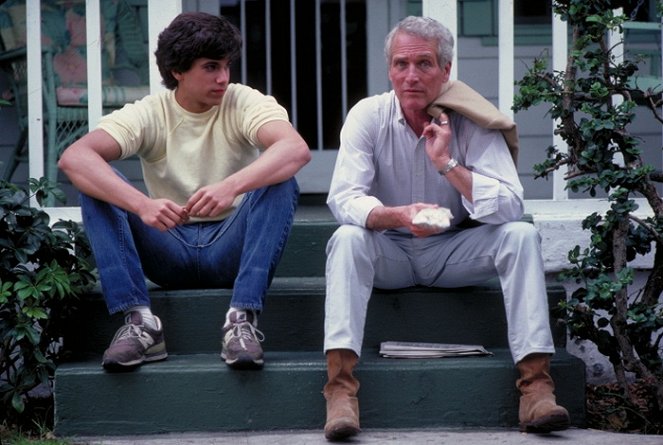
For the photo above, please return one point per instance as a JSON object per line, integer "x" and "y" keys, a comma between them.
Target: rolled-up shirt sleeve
{"x": 496, "y": 189}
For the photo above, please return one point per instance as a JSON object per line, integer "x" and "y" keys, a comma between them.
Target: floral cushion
{"x": 63, "y": 31}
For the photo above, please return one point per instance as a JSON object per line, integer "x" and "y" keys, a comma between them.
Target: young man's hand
{"x": 163, "y": 214}
{"x": 210, "y": 201}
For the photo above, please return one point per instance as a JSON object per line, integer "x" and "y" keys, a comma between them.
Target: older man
{"x": 395, "y": 160}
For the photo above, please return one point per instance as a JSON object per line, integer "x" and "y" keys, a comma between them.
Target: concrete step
{"x": 199, "y": 393}
{"x": 294, "y": 315}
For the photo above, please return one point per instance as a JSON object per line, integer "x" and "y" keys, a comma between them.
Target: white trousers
{"x": 359, "y": 259}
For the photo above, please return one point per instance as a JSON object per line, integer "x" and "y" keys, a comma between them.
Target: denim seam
{"x": 135, "y": 293}
{"x": 284, "y": 235}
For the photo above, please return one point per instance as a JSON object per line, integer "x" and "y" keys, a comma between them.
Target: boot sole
{"x": 341, "y": 433}
{"x": 546, "y": 424}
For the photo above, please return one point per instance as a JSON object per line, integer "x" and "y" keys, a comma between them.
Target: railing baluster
{"x": 242, "y": 30}
{"x": 93, "y": 36}
{"x": 35, "y": 92}
{"x": 505, "y": 57}
{"x": 268, "y": 46}
{"x": 344, "y": 61}
{"x": 293, "y": 64}
{"x": 318, "y": 74}
{"x": 560, "y": 45}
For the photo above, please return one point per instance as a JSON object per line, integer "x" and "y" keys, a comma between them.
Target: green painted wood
{"x": 294, "y": 316}
{"x": 199, "y": 393}
{"x": 194, "y": 391}
{"x": 304, "y": 254}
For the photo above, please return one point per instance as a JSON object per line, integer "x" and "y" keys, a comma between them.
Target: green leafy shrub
{"x": 43, "y": 269}
{"x": 626, "y": 324}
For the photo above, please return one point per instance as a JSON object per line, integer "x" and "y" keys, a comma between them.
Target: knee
{"x": 519, "y": 238}
{"x": 288, "y": 187}
{"x": 83, "y": 199}
{"x": 94, "y": 206}
{"x": 284, "y": 193}
{"x": 348, "y": 236}
{"x": 521, "y": 232}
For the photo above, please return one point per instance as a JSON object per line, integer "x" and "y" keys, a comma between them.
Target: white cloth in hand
{"x": 434, "y": 218}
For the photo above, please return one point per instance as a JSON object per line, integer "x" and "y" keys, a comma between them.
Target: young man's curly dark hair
{"x": 191, "y": 36}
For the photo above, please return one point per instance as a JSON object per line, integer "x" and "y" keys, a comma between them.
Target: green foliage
{"x": 625, "y": 324}
{"x": 43, "y": 269}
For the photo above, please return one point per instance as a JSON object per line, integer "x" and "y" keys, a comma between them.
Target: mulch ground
{"x": 608, "y": 409}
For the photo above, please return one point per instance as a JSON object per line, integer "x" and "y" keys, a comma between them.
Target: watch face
{"x": 450, "y": 165}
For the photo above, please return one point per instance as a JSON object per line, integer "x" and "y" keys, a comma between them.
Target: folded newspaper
{"x": 403, "y": 349}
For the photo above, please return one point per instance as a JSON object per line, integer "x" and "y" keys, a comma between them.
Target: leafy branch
{"x": 603, "y": 155}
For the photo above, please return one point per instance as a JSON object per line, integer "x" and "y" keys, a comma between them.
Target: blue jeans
{"x": 240, "y": 252}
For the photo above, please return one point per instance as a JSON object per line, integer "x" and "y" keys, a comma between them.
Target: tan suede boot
{"x": 539, "y": 412}
{"x": 341, "y": 395}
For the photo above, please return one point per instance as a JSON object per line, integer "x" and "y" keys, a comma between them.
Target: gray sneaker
{"x": 135, "y": 343}
{"x": 241, "y": 342}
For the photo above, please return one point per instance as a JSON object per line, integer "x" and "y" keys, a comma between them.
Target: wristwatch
{"x": 450, "y": 165}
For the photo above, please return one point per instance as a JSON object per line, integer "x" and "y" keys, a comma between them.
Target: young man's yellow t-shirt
{"x": 180, "y": 151}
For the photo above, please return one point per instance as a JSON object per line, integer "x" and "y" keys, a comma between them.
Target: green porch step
{"x": 194, "y": 391}
{"x": 304, "y": 253}
{"x": 293, "y": 318}
{"x": 198, "y": 392}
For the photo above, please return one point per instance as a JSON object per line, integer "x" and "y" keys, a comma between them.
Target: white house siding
{"x": 478, "y": 67}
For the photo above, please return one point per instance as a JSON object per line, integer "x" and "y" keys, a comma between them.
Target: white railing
{"x": 559, "y": 58}
{"x": 269, "y": 63}
{"x": 160, "y": 15}
{"x": 160, "y": 12}
{"x": 35, "y": 109}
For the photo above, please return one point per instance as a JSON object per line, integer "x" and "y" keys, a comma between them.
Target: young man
{"x": 395, "y": 160}
{"x": 216, "y": 215}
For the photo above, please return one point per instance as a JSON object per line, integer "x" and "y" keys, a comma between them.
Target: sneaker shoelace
{"x": 131, "y": 330}
{"x": 247, "y": 332}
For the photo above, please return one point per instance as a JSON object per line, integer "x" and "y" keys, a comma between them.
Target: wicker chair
{"x": 124, "y": 66}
